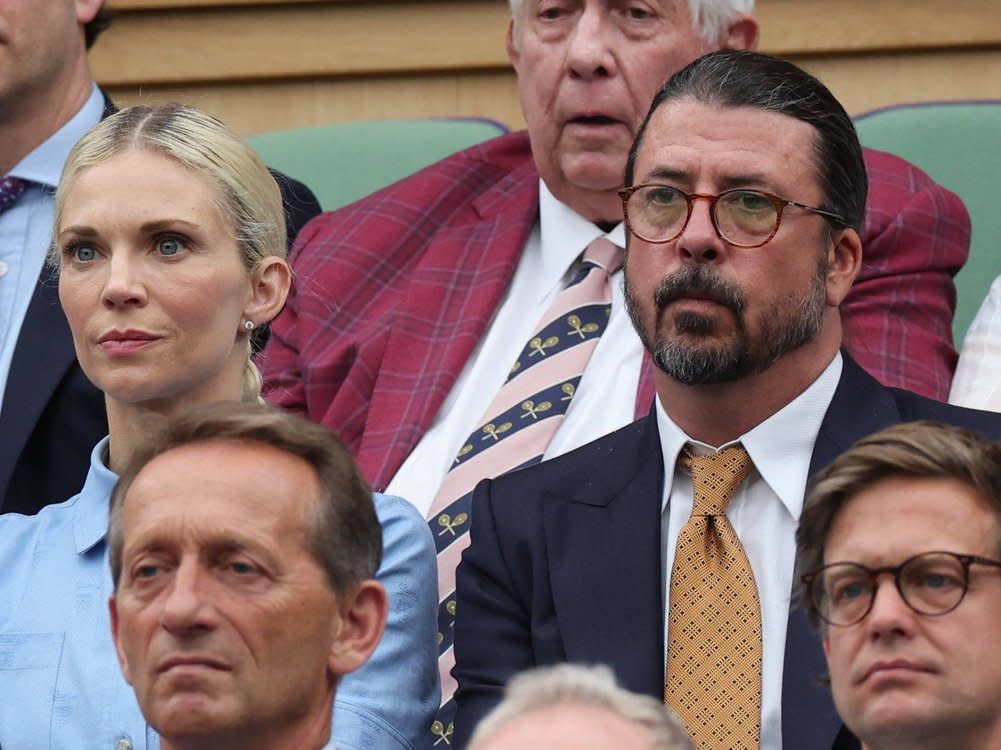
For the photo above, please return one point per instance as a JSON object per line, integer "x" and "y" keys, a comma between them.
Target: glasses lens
{"x": 933, "y": 584}
{"x": 746, "y": 217}
{"x": 843, "y": 593}
{"x": 657, "y": 212}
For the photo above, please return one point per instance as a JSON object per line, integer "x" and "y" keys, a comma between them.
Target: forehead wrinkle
{"x": 173, "y": 537}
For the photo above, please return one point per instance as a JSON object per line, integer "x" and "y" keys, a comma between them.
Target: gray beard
{"x": 709, "y": 363}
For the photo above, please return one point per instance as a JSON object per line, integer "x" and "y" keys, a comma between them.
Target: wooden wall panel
{"x": 267, "y": 64}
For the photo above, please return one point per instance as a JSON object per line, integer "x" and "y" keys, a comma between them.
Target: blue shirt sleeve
{"x": 390, "y": 702}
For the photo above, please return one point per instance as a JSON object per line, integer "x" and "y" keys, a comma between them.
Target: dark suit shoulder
{"x": 914, "y": 407}
{"x": 299, "y": 202}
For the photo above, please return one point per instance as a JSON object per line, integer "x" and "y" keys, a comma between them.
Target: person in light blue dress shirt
{"x": 161, "y": 316}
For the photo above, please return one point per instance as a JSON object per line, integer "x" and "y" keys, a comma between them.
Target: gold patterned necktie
{"x": 714, "y": 623}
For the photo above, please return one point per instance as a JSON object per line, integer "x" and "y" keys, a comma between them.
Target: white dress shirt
{"x": 977, "y": 383}
{"x": 26, "y": 227}
{"x": 764, "y": 512}
{"x": 606, "y": 396}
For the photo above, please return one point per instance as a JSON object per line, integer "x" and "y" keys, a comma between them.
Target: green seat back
{"x": 959, "y": 145}
{"x": 346, "y": 161}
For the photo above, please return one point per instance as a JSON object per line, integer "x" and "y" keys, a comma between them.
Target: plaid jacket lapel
{"x": 450, "y": 299}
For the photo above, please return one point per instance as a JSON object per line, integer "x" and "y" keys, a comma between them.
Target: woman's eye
{"x": 82, "y": 253}
{"x": 170, "y": 246}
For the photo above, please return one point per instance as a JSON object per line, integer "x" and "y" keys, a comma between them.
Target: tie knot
{"x": 604, "y": 253}
{"x": 10, "y": 190}
{"x": 716, "y": 477}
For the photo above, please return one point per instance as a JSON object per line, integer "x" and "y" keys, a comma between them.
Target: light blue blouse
{"x": 60, "y": 684}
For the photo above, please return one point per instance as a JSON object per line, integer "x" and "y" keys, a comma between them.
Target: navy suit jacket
{"x": 565, "y": 565}
{"x": 52, "y": 415}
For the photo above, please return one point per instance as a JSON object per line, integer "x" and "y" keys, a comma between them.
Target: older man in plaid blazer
{"x": 410, "y": 305}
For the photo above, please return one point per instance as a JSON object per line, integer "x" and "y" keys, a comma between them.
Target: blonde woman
{"x": 170, "y": 244}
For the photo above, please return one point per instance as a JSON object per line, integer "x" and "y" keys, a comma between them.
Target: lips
{"x": 594, "y": 119}
{"x": 892, "y": 667}
{"x": 697, "y": 283}
{"x": 193, "y": 661}
{"x": 126, "y": 335}
{"x": 119, "y": 342}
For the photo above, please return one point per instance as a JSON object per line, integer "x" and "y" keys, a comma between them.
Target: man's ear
{"x": 122, "y": 662}
{"x": 844, "y": 263}
{"x": 511, "y": 45}
{"x": 87, "y": 9}
{"x": 270, "y": 284}
{"x": 363, "y": 612}
{"x": 742, "y": 33}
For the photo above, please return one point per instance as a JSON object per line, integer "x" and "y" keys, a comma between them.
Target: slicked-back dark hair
{"x": 738, "y": 78}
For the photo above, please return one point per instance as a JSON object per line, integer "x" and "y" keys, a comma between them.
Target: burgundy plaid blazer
{"x": 392, "y": 293}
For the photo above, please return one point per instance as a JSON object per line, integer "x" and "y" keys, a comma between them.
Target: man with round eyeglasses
{"x": 666, "y": 549}
{"x": 743, "y": 218}
{"x": 900, "y": 541}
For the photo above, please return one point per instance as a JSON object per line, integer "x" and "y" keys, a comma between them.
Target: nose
{"x": 890, "y": 616}
{"x": 186, "y": 605}
{"x": 699, "y": 242}
{"x": 591, "y": 48}
{"x": 123, "y": 284}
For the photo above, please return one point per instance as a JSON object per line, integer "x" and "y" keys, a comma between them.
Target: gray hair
{"x": 590, "y": 687}
{"x": 710, "y": 18}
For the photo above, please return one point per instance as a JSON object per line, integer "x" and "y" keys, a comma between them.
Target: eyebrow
{"x": 149, "y": 227}
{"x": 751, "y": 179}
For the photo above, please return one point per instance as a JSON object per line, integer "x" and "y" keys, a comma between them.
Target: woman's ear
{"x": 269, "y": 288}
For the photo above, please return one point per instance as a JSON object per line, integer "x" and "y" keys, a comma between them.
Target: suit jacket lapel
{"x": 861, "y": 406}
{"x": 604, "y": 554}
{"x": 41, "y": 360}
{"x": 486, "y": 251}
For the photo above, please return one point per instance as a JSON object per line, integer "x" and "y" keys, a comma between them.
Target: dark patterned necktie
{"x": 714, "y": 623}
{"x": 516, "y": 429}
{"x": 10, "y": 190}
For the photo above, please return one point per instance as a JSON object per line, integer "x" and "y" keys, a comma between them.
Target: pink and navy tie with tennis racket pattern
{"x": 516, "y": 429}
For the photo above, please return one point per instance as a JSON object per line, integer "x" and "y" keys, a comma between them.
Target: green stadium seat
{"x": 347, "y": 161}
{"x": 959, "y": 145}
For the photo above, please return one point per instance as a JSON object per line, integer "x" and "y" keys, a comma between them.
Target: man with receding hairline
{"x": 241, "y": 597}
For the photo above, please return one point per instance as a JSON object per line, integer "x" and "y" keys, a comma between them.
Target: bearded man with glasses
{"x": 901, "y": 540}
{"x": 666, "y": 549}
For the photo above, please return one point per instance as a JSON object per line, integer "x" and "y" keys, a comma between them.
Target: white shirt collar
{"x": 44, "y": 165}
{"x": 781, "y": 447}
{"x": 564, "y": 234}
